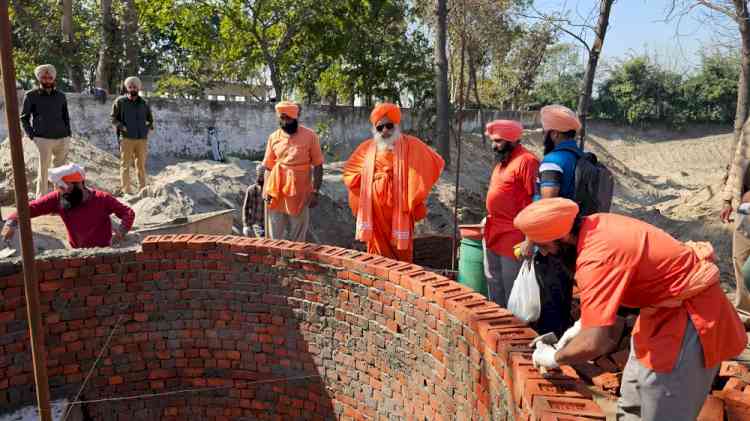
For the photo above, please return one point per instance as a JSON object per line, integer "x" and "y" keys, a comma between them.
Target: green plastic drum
{"x": 471, "y": 266}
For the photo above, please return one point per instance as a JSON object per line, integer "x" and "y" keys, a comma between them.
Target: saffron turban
{"x": 504, "y": 130}
{"x": 547, "y": 220}
{"x": 133, "y": 80}
{"x": 386, "y": 109}
{"x": 45, "y": 69}
{"x": 288, "y": 108}
{"x": 560, "y": 118}
{"x": 70, "y": 173}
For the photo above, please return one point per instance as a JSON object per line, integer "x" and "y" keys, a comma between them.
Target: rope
{"x": 175, "y": 392}
{"x": 93, "y": 367}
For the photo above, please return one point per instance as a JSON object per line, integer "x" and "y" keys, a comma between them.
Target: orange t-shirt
{"x": 511, "y": 189}
{"x": 295, "y": 156}
{"x": 624, "y": 261}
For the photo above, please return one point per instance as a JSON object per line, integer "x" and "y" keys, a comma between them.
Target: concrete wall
{"x": 182, "y": 126}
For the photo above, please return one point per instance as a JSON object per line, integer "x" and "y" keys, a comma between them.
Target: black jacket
{"x": 133, "y": 119}
{"x": 45, "y": 114}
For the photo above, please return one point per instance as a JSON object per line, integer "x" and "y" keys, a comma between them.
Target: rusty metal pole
{"x": 31, "y": 286}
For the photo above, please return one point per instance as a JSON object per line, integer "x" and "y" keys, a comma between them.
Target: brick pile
{"x": 275, "y": 330}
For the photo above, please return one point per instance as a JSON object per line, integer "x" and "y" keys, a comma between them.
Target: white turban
{"x": 133, "y": 80}
{"x": 45, "y": 68}
{"x": 67, "y": 173}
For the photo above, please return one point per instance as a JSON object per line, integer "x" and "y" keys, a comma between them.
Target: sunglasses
{"x": 388, "y": 126}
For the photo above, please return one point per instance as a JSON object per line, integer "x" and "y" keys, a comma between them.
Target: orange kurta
{"x": 623, "y": 261}
{"x": 290, "y": 160}
{"x": 423, "y": 168}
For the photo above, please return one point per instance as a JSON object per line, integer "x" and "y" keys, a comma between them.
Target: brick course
{"x": 278, "y": 331}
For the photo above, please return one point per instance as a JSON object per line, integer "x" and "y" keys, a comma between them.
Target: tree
{"x": 441, "y": 81}
{"x": 105, "y": 67}
{"x": 737, "y": 12}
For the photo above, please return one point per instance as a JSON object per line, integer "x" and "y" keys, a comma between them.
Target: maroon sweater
{"x": 88, "y": 224}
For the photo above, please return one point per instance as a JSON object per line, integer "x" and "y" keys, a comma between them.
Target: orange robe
{"x": 422, "y": 168}
{"x": 290, "y": 160}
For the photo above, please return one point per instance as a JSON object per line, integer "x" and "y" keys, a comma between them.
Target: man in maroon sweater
{"x": 84, "y": 211}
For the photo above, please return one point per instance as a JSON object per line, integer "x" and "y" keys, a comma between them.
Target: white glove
{"x": 247, "y": 232}
{"x": 569, "y": 334}
{"x": 544, "y": 356}
{"x": 259, "y": 231}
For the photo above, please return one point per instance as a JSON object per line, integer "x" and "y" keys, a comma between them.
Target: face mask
{"x": 289, "y": 128}
{"x": 73, "y": 198}
{"x": 133, "y": 94}
{"x": 549, "y": 144}
{"x": 502, "y": 153}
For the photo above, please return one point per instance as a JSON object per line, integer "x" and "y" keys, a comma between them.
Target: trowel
{"x": 8, "y": 251}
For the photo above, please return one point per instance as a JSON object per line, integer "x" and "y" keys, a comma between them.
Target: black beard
{"x": 73, "y": 199}
{"x": 502, "y": 155}
{"x": 133, "y": 94}
{"x": 567, "y": 256}
{"x": 290, "y": 128}
{"x": 48, "y": 86}
{"x": 549, "y": 144}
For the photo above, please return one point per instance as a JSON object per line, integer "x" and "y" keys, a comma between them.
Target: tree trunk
{"x": 475, "y": 78}
{"x": 441, "y": 81}
{"x": 67, "y": 21}
{"x": 130, "y": 32}
{"x": 106, "y": 53}
{"x": 743, "y": 86}
{"x": 278, "y": 85}
{"x": 584, "y": 100}
{"x": 73, "y": 65}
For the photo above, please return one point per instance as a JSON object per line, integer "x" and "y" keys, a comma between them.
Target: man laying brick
{"x": 84, "y": 211}
{"x": 686, "y": 326}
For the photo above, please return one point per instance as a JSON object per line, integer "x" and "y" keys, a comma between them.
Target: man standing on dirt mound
{"x": 46, "y": 122}
{"x": 738, "y": 183}
{"x": 133, "y": 121}
{"x": 294, "y": 173}
{"x": 686, "y": 326}
{"x": 389, "y": 178}
{"x": 85, "y": 211}
{"x": 511, "y": 189}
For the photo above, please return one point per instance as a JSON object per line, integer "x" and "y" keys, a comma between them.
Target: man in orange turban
{"x": 389, "y": 178}
{"x": 511, "y": 189}
{"x": 686, "y": 326}
{"x": 293, "y": 154}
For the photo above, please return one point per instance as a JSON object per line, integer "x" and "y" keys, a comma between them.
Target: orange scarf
{"x": 401, "y": 233}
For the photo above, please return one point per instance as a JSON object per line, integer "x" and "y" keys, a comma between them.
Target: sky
{"x": 638, "y": 26}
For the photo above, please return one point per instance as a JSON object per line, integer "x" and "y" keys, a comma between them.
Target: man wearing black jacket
{"x": 46, "y": 121}
{"x": 133, "y": 121}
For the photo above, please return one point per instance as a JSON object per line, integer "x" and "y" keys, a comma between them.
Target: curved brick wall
{"x": 274, "y": 330}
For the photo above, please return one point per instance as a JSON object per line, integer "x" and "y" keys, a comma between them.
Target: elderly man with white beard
{"x": 389, "y": 178}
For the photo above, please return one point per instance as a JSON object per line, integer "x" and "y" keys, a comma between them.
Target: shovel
{"x": 8, "y": 251}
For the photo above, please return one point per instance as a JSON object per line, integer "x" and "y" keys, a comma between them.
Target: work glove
{"x": 247, "y": 231}
{"x": 569, "y": 334}
{"x": 544, "y": 356}
{"x": 259, "y": 231}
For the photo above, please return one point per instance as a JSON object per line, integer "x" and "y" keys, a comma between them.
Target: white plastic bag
{"x": 524, "y": 301}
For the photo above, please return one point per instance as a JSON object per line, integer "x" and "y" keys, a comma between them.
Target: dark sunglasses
{"x": 388, "y": 126}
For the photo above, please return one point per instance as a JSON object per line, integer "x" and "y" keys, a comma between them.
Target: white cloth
{"x": 56, "y": 174}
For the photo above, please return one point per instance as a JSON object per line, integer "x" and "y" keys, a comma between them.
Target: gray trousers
{"x": 500, "y": 272}
{"x": 282, "y": 226}
{"x": 675, "y": 396}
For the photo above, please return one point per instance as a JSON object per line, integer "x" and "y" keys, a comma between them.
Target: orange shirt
{"x": 290, "y": 160}
{"x": 511, "y": 189}
{"x": 624, "y": 261}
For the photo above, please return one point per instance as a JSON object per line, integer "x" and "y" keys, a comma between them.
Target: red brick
{"x": 49, "y": 286}
{"x": 554, "y": 388}
{"x": 567, "y": 406}
{"x": 115, "y": 380}
{"x": 150, "y": 243}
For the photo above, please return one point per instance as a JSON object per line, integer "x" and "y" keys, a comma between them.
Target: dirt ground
{"x": 670, "y": 179}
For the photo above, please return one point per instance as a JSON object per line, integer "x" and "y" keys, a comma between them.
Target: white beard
{"x": 386, "y": 143}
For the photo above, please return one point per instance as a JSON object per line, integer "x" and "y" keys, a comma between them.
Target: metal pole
{"x": 31, "y": 286}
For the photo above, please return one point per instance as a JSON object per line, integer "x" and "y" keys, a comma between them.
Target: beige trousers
{"x": 282, "y": 226}
{"x": 133, "y": 150}
{"x": 51, "y": 151}
{"x": 740, "y": 254}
